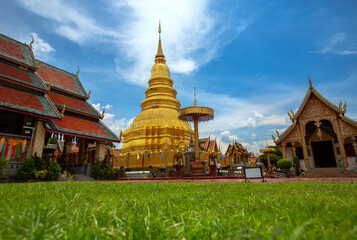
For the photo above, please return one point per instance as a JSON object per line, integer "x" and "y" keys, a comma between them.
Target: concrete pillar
{"x": 39, "y": 138}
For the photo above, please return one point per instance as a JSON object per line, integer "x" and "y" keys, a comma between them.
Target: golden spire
{"x": 310, "y": 83}
{"x": 195, "y": 98}
{"x": 159, "y": 53}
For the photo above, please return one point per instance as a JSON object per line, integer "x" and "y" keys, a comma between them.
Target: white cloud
{"x": 41, "y": 48}
{"x": 338, "y": 44}
{"x": 110, "y": 121}
{"x": 68, "y": 19}
{"x": 235, "y": 113}
{"x": 192, "y": 32}
{"x": 255, "y": 146}
{"x": 253, "y": 135}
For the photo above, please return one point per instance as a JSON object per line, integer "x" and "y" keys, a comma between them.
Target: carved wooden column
{"x": 283, "y": 149}
{"x": 303, "y": 144}
{"x": 293, "y": 149}
{"x": 354, "y": 144}
{"x": 340, "y": 142}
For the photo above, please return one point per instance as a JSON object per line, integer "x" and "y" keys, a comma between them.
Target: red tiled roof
{"x": 70, "y": 102}
{"x": 15, "y": 72}
{"x": 20, "y": 98}
{"x": 205, "y": 142}
{"x": 11, "y": 49}
{"x": 211, "y": 145}
{"x": 81, "y": 125}
{"x": 56, "y": 77}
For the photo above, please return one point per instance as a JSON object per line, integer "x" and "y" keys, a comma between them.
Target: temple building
{"x": 157, "y": 127}
{"x": 39, "y": 101}
{"x": 206, "y": 144}
{"x": 236, "y": 154}
{"x": 320, "y": 134}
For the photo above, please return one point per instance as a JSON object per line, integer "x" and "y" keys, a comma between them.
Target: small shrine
{"x": 236, "y": 154}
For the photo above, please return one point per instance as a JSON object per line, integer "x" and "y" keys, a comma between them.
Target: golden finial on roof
{"x": 310, "y": 83}
{"x": 277, "y": 133}
{"x": 89, "y": 93}
{"x": 77, "y": 71}
{"x": 120, "y": 135}
{"x": 159, "y": 53}
{"x": 63, "y": 109}
{"x": 195, "y": 97}
{"x": 274, "y": 140}
{"x": 103, "y": 112}
{"x": 344, "y": 107}
{"x": 340, "y": 106}
{"x": 38, "y": 63}
{"x": 33, "y": 40}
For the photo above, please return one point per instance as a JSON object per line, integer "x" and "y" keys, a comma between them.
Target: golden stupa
{"x": 157, "y": 126}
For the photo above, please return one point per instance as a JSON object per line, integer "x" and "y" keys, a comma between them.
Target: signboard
{"x": 253, "y": 173}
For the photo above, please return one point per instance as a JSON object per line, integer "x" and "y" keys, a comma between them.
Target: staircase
{"x": 329, "y": 172}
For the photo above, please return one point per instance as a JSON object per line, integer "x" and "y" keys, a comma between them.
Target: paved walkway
{"x": 268, "y": 180}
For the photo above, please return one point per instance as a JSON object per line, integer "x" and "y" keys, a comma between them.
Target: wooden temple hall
{"x": 320, "y": 134}
{"x": 45, "y": 109}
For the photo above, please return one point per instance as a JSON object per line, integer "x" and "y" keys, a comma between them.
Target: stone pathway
{"x": 268, "y": 180}
{"x": 76, "y": 177}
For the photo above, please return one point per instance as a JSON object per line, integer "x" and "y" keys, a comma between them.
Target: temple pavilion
{"x": 157, "y": 129}
{"x": 320, "y": 134}
{"x": 236, "y": 154}
{"x": 39, "y": 101}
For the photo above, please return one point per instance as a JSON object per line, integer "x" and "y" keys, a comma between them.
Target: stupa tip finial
{"x": 159, "y": 53}
{"x": 195, "y": 97}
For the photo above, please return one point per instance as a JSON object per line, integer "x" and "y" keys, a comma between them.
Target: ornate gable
{"x": 315, "y": 108}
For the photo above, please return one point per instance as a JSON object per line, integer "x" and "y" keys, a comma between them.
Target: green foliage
{"x": 52, "y": 141}
{"x": 273, "y": 159}
{"x": 39, "y": 168}
{"x": 101, "y": 171}
{"x": 277, "y": 151}
{"x": 27, "y": 171}
{"x": 296, "y": 165}
{"x": 3, "y": 165}
{"x": 54, "y": 171}
{"x": 178, "y": 210}
{"x": 284, "y": 163}
{"x": 41, "y": 163}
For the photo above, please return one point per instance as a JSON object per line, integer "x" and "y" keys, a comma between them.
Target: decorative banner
{"x": 137, "y": 156}
{"x": 2, "y": 145}
{"x": 9, "y": 149}
{"x": 162, "y": 154}
{"x": 143, "y": 161}
{"x": 148, "y": 154}
{"x": 220, "y": 157}
{"x": 23, "y": 147}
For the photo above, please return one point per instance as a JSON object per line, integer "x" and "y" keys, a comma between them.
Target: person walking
{"x": 219, "y": 169}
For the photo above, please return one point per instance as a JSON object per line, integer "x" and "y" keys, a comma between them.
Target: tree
{"x": 274, "y": 158}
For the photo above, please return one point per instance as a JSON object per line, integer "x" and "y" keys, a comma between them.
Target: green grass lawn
{"x": 178, "y": 211}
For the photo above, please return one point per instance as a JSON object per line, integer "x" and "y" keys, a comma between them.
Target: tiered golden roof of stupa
{"x": 157, "y": 126}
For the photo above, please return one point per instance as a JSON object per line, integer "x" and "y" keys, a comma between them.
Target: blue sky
{"x": 249, "y": 60}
